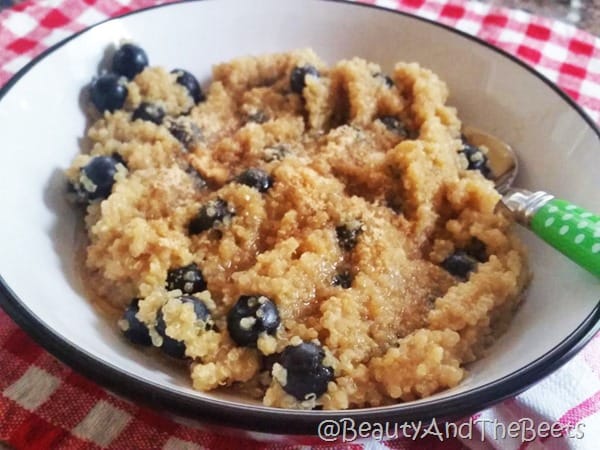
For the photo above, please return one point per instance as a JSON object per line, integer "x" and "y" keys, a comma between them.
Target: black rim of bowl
{"x": 285, "y": 421}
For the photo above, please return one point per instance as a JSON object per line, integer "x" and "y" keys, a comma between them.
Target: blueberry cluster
{"x": 108, "y": 92}
{"x": 252, "y": 315}
{"x": 189, "y": 280}
{"x": 217, "y": 212}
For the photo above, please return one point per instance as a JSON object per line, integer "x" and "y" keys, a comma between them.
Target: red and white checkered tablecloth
{"x": 44, "y": 404}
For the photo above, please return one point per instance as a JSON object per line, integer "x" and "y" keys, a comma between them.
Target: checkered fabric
{"x": 44, "y": 404}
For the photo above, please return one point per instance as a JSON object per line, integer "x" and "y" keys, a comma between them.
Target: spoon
{"x": 570, "y": 229}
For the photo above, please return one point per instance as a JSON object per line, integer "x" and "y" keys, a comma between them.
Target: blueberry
{"x": 258, "y": 117}
{"x": 250, "y": 316}
{"x": 188, "y": 81}
{"x": 298, "y": 75}
{"x": 97, "y": 177}
{"x": 269, "y": 360}
{"x": 459, "y": 264}
{"x": 477, "y": 160}
{"x": 477, "y": 250}
{"x": 108, "y": 92}
{"x": 202, "y": 312}
{"x": 174, "y": 347}
{"x": 118, "y": 158}
{"x": 348, "y": 233}
{"x": 129, "y": 60}
{"x": 343, "y": 279}
{"x": 210, "y": 215}
{"x": 386, "y": 79}
{"x": 150, "y": 112}
{"x": 257, "y": 179}
{"x": 302, "y": 358}
{"x": 185, "y": 131}
{"x": 301, "y": 384}
{"x": 188, "y": 279}
{"x": 133, "y": 329}
{"x": 276, "y": 152}
{"x": 306, "y": 374}
{"x": 170, "y": 346}
{"x": 394, "y": 125}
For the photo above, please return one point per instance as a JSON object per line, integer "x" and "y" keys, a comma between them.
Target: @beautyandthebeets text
{"x": 525, "y": 429}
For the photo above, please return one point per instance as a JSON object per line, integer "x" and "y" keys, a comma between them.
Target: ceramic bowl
{"x": 42, "y": 120}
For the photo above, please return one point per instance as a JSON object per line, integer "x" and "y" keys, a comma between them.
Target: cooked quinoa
{"x": 307, "y": 235}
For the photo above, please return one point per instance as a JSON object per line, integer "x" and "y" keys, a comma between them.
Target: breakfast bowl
{"x": 43, "y": 118}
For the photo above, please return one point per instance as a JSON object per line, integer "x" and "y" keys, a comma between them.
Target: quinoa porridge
{"x": 309, "y": 236}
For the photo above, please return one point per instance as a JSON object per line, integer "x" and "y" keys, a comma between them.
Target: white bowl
{"x": 41, "y": 122}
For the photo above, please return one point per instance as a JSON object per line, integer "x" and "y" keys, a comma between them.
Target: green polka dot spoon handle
{"x": 568, "y": 228}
